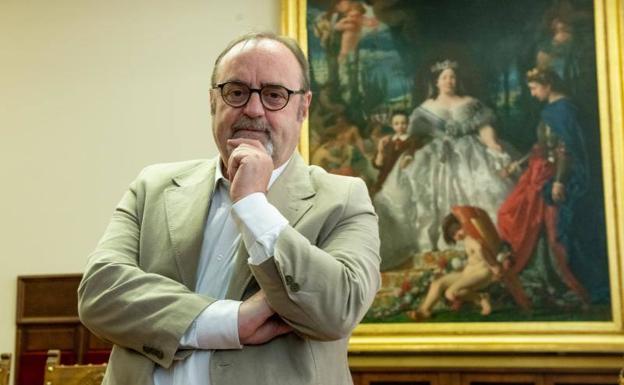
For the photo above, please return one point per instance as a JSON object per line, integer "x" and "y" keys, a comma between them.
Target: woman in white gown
{"x": 463, "y": 164}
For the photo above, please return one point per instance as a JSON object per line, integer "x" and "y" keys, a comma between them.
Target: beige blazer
{"x": 137, "y": 289}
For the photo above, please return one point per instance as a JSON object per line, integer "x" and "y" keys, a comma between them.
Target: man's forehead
{"x": 260, "y": 48}
{"x": 273, "y": 55}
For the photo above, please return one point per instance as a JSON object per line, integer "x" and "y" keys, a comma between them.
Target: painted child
{"x": 391, "y": 147}
{"x": 480, "y": 270}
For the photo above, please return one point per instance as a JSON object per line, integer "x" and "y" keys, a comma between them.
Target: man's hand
{"x": 257, "y": 322}
{"x": 249, "y": 168}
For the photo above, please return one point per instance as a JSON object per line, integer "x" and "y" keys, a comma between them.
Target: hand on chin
{"x": 249, "y": 167}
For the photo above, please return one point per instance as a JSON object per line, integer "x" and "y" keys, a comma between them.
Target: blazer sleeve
{"x": 126, "y": 305}
{"x": 323, "y": 290}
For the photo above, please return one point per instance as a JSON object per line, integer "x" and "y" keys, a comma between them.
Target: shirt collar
{"x": 226, "y": 183}
{"x": 400, "y": 136}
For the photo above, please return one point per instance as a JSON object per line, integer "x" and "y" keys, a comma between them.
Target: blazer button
{"x": 289, "y": 280}
{"x": 294, "y": 287}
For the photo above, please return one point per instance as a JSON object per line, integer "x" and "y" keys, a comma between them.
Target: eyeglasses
{"x": 272, "y": 97}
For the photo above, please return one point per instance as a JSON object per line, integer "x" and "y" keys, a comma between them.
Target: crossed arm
{"x": 123, "y": 302}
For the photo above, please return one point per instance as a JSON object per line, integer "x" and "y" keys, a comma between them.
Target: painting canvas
{"x": 476, "y": 127}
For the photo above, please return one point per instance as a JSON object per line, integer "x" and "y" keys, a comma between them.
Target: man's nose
{"x": 254, "y": 107}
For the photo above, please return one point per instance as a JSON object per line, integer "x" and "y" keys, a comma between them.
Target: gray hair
{"x": 290, "y": 43}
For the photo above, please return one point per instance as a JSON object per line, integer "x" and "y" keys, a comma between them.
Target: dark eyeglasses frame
{"x": 259, "y": 91}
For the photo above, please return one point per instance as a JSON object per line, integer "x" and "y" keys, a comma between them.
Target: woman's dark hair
{"x": 436, "y": 70}
{"x": 450, "y": 226}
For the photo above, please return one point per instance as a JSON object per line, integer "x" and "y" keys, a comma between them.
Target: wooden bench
{"x": 58, "y": 374}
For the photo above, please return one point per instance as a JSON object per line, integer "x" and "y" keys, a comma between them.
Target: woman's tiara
{"x": 442, "y": 65}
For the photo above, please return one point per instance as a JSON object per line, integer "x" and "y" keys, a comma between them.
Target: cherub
{"x": 351, "y": 25}
{"x": 487, "y": 262}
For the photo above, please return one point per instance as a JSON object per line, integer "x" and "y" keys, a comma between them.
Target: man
{"x": 189, "y": 241}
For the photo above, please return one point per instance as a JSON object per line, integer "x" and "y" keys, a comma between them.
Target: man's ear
{"x": 304, "y": 106}
{"x": 213, "y": 102}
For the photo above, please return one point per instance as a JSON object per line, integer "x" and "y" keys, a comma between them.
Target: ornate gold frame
{"x": 526, "y": 337}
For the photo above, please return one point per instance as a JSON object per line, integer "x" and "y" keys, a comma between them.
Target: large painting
{"x": 477, "y": 127}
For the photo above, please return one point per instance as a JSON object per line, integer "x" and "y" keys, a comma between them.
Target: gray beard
{"x": 245, "y": 122}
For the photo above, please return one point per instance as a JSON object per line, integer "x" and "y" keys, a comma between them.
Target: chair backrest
{"x": 5, "y": 368}
{"x": 57, "y": 374}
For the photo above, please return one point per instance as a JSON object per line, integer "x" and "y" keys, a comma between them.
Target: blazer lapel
{"x": 292, "y": 191}
{"x": 290, "y": 194}
{"x": 187, "y": 204}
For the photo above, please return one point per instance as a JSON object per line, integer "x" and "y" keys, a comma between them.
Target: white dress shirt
{"x": 259, "y": 224}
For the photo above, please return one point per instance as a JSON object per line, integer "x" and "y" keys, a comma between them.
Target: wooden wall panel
{"x": 47, "y": 298}
{"x": 47, "y": 318}
{"x": 40, "y": 338}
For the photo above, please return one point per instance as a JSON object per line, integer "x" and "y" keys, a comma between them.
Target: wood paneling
{"x": 400, "y": 379}
{"x": 39, "y": 338}
{"x": 576, "y": 379}
{"x": 47, "y": 298}
{"x": 501, "y": 379}
{"x": 494, "y": 376}
{"x": 47, "y": 318}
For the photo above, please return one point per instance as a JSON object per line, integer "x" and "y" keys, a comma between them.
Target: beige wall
{"x": 90, "y": 92}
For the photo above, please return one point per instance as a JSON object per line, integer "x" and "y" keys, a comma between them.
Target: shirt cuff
{"x": 214, "y": 328}
{"x": 260, "y": 223}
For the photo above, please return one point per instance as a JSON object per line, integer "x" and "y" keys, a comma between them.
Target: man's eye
{"x": 275, "y": 94}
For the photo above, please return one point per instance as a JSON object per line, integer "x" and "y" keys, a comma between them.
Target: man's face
{"x": 539, "y": 91}
{"x": 258, "y": 63}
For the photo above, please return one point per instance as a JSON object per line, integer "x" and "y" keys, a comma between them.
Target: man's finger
{"x": 274, "y": 327}
{"x": 237, "y": 152}
{"x": 236, "y": 157}
{"x": 232, "y": 166}
{"x": 253, "y": 313}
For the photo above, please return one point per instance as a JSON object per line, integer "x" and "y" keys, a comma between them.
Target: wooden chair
{"x": 5, "y": 368}
{"x": 57, "y": 374}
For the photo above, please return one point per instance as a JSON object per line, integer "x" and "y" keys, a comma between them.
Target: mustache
{"x": 247, "y": 123}
{"x": 260, "y": 125}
